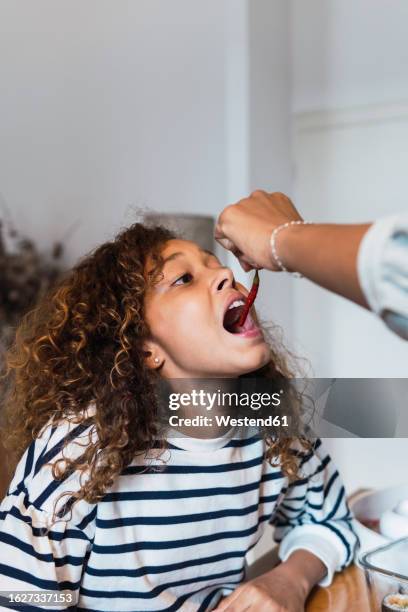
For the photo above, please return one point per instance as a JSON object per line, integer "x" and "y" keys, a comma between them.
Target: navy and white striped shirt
{"x": 172, "y": 537}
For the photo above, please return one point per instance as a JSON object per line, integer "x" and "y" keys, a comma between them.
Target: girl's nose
{"x": 223, "y": 279}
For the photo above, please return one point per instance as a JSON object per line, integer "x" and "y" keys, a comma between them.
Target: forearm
{"x": 304, "y": 568}
{"x": 325, "y": 254}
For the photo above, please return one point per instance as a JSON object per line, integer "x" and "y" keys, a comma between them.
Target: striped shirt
{"x": 173, "y": 532}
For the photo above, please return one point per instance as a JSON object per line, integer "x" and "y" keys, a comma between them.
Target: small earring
{"x": 156, "y": 360}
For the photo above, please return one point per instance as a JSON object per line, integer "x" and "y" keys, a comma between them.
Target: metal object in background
{"x": 198, "y": 228}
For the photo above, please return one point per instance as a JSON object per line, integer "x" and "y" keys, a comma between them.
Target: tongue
{"x": 231, "y": 318}
{"x": 241, "y": 328}
{"x": 234, "y": 329}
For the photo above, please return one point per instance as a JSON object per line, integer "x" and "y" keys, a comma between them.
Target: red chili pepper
{"x": 250, "y": 299}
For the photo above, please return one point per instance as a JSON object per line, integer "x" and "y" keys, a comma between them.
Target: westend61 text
{"x": 228, "y": 421}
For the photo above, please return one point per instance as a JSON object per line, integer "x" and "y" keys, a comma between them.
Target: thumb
{"x": 226, "y": 243}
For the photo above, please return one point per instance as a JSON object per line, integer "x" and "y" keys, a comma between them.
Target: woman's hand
{"x": 245, "y": 228}
{"x": 283, "y": 589}
{"x": 325, "y": 253}
{"x": 271, "y": 592}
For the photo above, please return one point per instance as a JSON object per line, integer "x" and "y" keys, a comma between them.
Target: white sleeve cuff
{"x": 369, "y": 260}
{"x": 319, "y": 541}
{"x": 376, "y": 261}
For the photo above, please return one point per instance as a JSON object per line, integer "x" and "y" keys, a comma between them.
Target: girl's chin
{"x": 253, "y": 362}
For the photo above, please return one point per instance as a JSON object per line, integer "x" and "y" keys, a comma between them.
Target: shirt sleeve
{"x": 314, "y": 515}
{"x": 382, "y": 267}
{"x": 36, "y": 553}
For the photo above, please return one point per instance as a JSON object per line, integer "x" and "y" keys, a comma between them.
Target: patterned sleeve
{"x": 35, "y": 556}
{"x": 314, "y": 516}
{"x": 382, "y": 267}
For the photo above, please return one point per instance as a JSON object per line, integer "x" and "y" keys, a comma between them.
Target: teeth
{"x": 236, "y": 303}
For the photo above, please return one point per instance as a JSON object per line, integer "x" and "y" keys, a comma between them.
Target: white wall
{"x": 106, "y": 106}
{"x": 348, "y": 52}
{"x": 270, "y": 165}
{"x": 371, "y": 463}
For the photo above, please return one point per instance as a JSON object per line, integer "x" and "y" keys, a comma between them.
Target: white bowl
{"x": 371, "y": 505}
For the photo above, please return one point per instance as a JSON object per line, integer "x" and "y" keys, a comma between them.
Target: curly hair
{"x": 82, "y": 344}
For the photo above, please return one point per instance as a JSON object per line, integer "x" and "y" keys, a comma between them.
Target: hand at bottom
{"x": 270, "y": 592}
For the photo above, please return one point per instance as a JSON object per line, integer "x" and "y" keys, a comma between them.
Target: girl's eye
{"x": 182, "y": 280}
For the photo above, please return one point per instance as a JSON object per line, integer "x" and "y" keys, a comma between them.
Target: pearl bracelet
{"x": 273, "y": 245}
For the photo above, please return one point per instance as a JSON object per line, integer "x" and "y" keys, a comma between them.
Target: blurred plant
{"x": 25, "y": 274}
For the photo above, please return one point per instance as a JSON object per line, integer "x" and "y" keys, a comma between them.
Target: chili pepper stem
{"x": 250, "y": 299}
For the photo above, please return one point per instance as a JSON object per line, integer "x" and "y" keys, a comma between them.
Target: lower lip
{"x": 250, "y": 333}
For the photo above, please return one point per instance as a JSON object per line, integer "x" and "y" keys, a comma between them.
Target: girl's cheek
{"x": 192, "y": 313}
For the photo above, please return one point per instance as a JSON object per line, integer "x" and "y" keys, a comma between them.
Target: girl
{"x": 104, "y": 514}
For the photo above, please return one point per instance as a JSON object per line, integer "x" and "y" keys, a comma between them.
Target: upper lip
{"x": 236, "y": 295}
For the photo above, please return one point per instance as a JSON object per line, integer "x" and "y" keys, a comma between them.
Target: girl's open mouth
{"x": 231, "y": 319}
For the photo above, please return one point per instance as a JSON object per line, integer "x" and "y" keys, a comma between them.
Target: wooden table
{"x": 347, "y": 593}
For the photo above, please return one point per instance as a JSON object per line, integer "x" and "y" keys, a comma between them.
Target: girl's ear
{"x": 152, "y": 355}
